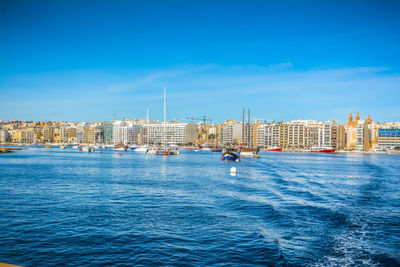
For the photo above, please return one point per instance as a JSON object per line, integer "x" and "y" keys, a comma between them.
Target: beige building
{"x": 28, "y": 136}
{"x": 363, "y": 136}
{"x": 48, "y": 134}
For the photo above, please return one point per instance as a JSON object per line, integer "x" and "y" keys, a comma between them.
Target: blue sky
{"x": 89, "y": 60}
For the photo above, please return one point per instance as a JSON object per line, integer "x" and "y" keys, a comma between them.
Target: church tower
{"x": 369, "y": 120}
{"x": 350, "y": 120}
{"x": 357, "y": 117}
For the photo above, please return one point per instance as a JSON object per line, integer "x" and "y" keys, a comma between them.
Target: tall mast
{"x": 248, "y": 130}
{"x": 165, "y": 115}
{"x": 243, "y": 127}
{"x": 165, "y": 104}
{"x": 147, "y": 122}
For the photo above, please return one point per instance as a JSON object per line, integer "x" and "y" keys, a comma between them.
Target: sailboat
{"x": 145, "y": 148}
{"x": 164, "y": 149}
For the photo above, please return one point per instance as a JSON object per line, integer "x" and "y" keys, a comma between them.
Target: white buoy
{"x": 233, "y": 170}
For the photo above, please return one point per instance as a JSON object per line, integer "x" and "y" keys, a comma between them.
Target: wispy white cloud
{"x": 280, "y": 90}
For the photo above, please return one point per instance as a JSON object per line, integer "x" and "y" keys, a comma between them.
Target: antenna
{"x": 165, "y": 104}
{"x": 243, "y": 127}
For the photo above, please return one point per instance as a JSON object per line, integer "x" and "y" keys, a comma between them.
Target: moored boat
{"x": 274, "y": 149}
{"x": 322, "y": 150}
{"x": 165, "y": 151}
{"x": 87, "y": 149}
{"x": 231, "y": 155}
{"x": 120, "y": 147}
{"x": 142, "y": 149}
{"x": 249, "y": 152}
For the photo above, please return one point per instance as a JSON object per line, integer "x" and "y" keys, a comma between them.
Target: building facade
{"x": 389, "y": 137}
{"x": 179, "y": 133}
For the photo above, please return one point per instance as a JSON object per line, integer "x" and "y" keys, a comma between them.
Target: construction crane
{"x": 265, "y": 120}
{"x": 203, "y": 128}
{"x": 204, "y": 119}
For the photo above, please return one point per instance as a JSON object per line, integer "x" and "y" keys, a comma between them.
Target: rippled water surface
{"x": 64, "y": 207}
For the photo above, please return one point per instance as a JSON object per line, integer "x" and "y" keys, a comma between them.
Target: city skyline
{"x": 64, "y": 62}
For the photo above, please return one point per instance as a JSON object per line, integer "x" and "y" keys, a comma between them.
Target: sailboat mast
{"x": 147, "y": 122}
{"x": 165, "y": 115}
{"x": 165, "y": 105}
{"x": 248, "y": 131}
{"x": 243, "y": 127}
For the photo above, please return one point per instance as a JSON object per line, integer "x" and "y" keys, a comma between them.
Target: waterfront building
{"x": 108, "y": 131}
{"x": 81, "y": 133}
{"x": 5, "y": 136}
{"x": 389, "y": 137}
{"x": 311, "y": 134}
{"x": 126, "y": 132}
{"x": 28, "y": 136}
{"x": 64, "y": 134}
{"x": 248, "y": 134}
{"x": 179, "y": 133}
{"x": 95, "y": 135}
{"x": 231, "y": 133}
{"x": 363, "y": 136}
{"x": 72, "y": 134}
{"x": 16, "y": 136}
{"x": 48, "y": 134}
{"x": 338, "y": 137}
{"x": 293, "y": 134}
{"x": 268, "y": 135}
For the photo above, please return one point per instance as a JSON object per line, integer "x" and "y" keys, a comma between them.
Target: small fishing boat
{"x": 120, "y": 147}
{"x": 165, "y": 151}
{"x": 47, "y": 146}
{"x": 249, "y": 152}
{"x": 322, "y": 150}
{"x": 75, "y": 147}
{"x": 87, "y": 149}
{"x": 231, "y": 155}
{"x": 274, "y": 149}
{"x": 142, "y": 149}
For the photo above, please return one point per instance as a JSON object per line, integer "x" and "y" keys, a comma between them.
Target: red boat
{"x": 275, "y": 149}
{"x": 322, "y": 150}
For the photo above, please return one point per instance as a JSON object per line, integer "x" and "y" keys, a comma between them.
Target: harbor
{"x": 63, "y": 205}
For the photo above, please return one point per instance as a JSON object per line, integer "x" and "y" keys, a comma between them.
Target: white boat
{"x": 120, "y": 147}
{"x": 87, "y": 149}
{"x": 142, "y": 149}
{"x": 164, "y": 151}
{"x": 75, "y": 147}
{"x": 249, "y": 152}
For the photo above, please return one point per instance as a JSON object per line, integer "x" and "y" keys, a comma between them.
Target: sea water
{"x": 65, "y": 207}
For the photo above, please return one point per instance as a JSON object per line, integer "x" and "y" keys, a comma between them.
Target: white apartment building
{"x": 126, "y": 132}
{"x": 231, "y": 133}
{"x": 179, "y": 133}
{"x": 5, "y": 136}
{"x": 268, "y": 135}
